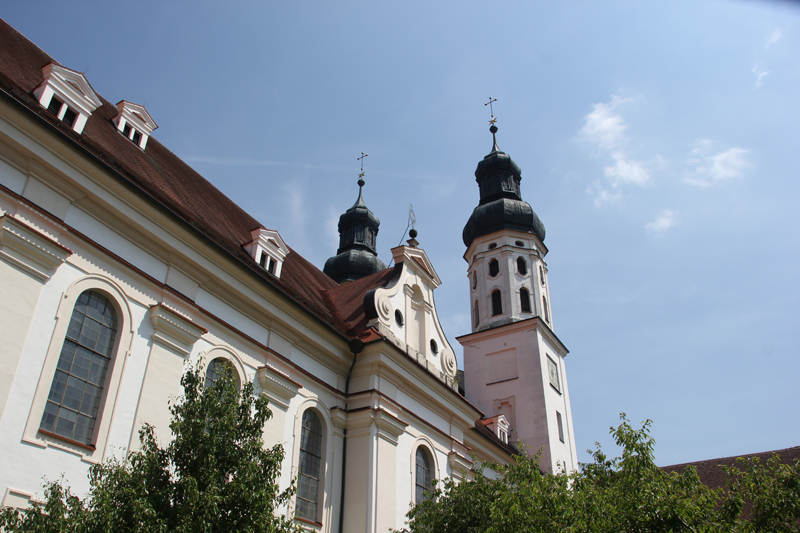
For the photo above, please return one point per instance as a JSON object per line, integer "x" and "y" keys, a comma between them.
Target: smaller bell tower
{"x": 514, "y": 365}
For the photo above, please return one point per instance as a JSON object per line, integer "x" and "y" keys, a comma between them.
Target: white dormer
{"x": 499, "y": 426}
{"x": 134, "y": 122}
{"x": 268, "y": 250}
{"x": 68, "y": 95}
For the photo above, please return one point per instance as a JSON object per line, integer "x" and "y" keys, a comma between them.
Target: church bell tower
{"x": 514, "y": 365}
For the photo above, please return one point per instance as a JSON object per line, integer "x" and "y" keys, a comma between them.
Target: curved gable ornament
{"x": 405, "y": 313}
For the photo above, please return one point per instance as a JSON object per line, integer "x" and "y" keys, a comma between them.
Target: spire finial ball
{"x": 413, "y": 233}
{"x": 493, "y": 128}
{"x": 360, "y": 182}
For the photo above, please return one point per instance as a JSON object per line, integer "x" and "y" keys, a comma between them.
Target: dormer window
{"x": 67, "y": 94}
{"x": 134, "y": 123}
{"x": 268, "y": 249}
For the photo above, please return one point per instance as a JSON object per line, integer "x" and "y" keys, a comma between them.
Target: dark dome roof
{"x": 359, "y": 214}
{"x": 352, "y": 264}
{"x": 503, "y": 213}
{"x": 501, "y": 205}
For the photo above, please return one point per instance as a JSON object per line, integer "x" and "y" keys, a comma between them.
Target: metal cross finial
{"x": 363, "y": 155}
{"x": 491, "y": 109}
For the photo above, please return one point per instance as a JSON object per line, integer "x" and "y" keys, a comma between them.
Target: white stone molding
{"x": 390, "y": 428}
{"x": 278, "y": 387}
{"x": 72, "y": 88}
{"x": 460, "y": 466}
{"x": 269, "y": 245}
{"x": 174, "y": 331}
{"x": 28, "y": 249}
{"x": 19, "y": 499}
{"x": 137, "y": 117}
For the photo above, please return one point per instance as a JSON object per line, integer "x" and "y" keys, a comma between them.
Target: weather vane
{"x": 489, "y": 103}
{"x": 361, "y": 175}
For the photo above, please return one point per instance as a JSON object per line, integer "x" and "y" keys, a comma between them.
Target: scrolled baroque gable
{"x": 405, "y": 313}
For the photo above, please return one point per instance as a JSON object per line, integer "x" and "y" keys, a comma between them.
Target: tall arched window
{"x": 74, "y": 398}
{"x": 497, "y": 303}
{"x": 494, "y": 267}
{"x": 522, "y": 266}
{"x": 525, "y": 300}
{"x": 422, "y": 478}
{"x": 476, "y": 317}
{"x": 474, "y": 280}
{"x": 309, "y": 467}
{"x": 217, "y": 367}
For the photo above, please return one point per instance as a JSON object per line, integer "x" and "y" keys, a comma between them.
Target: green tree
{"x": 629, "y": 493}
{"x": 214, "y": 476}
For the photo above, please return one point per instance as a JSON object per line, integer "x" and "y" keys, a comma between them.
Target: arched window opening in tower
{"x": 522, "y": 266}
{"x": 541, "y": 275}
{"x": 494, "y": 268}
{"x": 497, "y": 303}
{"x": 546, "y": 311}
{"x": 525, "y": 300}
{"x": 476, "y": 317}
{"x": 474, "y": 280}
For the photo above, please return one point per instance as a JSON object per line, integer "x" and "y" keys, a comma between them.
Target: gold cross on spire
{"x": 489, "y": 103}
{"x": 363, "y": 155}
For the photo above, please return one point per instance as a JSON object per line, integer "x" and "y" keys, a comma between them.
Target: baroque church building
{"x": 120, "y": 266}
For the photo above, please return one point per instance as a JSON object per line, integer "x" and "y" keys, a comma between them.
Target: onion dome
{"x": 501, "y": 206}
{"x": 356, "y": 256}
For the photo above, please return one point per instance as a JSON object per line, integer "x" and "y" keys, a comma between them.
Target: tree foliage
{"x": 214, "y": 476}
{"x": 629, "y": 493}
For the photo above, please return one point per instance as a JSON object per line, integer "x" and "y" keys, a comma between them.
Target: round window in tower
{"x": 434, "y": 347}
{"x": 493, "y": 246}
{"x": 398, "y": 317}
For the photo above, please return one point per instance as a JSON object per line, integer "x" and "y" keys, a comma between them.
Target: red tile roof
{"x": 712, "y": 475}
{"x": 175, "y": 186}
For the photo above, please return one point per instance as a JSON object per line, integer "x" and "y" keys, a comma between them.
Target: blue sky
{"x": 657, "y": 140}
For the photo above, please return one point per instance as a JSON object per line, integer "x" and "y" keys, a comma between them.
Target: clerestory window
{"x": 423, "y": 477}
{"x": 77, "y": 387}
{"x": 308, "y": 482}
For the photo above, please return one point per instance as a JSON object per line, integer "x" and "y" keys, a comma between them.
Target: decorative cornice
{"x": 174, "y": 331}
{"x": 459, "y": 465}
{"x": 278, "y": 387}
{"x": 29, "y": 249}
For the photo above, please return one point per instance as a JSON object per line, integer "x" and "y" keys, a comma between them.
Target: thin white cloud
{"x": 759, "y": 75}
{"x": 708, "y": 168}
{"x": 332, "y": 228}
{"x": 626, "y": 171}
{"x": 604, "y": 128}
{"x": 774, "y": 37}
{"x": 296, "y": 204}
{"x": 665, "y": 220}
{"x": 247, "y": 162}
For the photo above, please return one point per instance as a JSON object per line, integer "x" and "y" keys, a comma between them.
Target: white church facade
{"x": 120, "y": 266}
